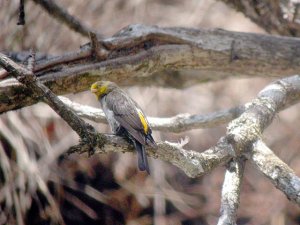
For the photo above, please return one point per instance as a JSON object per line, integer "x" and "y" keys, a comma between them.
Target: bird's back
{"x": 128, "y": 114}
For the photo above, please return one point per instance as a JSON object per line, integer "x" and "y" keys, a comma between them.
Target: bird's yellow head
{"x": 101, "y": 88}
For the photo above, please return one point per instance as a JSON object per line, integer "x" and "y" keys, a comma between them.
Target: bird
{"x": 125, "y": 118}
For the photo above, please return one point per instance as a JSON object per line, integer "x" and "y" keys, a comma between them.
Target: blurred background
{"x": 108, "y": 189}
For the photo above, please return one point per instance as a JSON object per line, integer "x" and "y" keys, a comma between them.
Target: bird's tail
{"x": 142, "y": 157}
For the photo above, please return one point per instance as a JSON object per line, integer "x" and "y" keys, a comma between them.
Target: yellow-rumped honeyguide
{"x": 125, "y": 118}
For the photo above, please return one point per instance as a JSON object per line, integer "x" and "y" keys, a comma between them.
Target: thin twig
{"x": 275, "y": 17}
{"x": 31, "y": 61}
{"x": 21, "y": 19}
{"x": 59, "y": 13}
{"x": 99, "y": 52}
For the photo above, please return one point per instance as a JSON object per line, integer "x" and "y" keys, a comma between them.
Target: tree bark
{"x": 137, "y": 54}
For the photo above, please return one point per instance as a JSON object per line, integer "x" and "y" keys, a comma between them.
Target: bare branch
{"x": 241, "y": 131}
{"x": 184, "y": 122}
{"x": 59, "y": 13}
{"x": 83, "y": 129}
{"x": 280, "y": 174}
{"x": 241, "y": 134}
{"x": 231, "y": 192}
{"x": 176, "y": 124}
{"x": 273, "y": 98}
{"x": 246, "y": 129}
{"x": 138, "y": 53}
{"x": 260, "y": 112}
{"x": 280, "y": 17}
{"x": 192, "y": 163}
{"x": 98, "y": 51}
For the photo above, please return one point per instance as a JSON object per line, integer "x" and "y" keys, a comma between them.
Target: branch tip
{"x": 31, "y": 61}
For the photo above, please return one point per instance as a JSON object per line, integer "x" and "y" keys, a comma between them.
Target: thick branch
{"x": 138, "y": 53}
{"x": 246, "y": 129}
{"x": 176, "y": 124}
{"x": 280, "y": 174}
{"x": 231, "y": 192}
{"x": 59, "y": 13}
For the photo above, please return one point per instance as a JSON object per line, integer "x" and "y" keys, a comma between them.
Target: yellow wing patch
{"x": 143, "y": 120}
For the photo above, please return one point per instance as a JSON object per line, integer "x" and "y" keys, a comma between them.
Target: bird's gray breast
{"x": 113, "y": 123}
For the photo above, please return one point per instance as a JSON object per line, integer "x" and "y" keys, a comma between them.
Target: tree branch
{"x": 241, "y": 131}
{"x": 231, "y": 192}
{"x": 59, "y": 13}
{"x": 85, "y": 131}
{"x": 279, "y": 17}
{"x": 245, "y": 130}
{"x": 280, "y": 174}
{"x": 138, "y": 53}
{"x": 176, "y": 124}
{"x": 189, "y": 161}
{"x": 192, "y": 163}
{"x": 21, "y": 57}
{"x": 241, "y": 134}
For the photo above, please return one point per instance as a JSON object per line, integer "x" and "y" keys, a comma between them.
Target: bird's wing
{"x": 126, "y": 113}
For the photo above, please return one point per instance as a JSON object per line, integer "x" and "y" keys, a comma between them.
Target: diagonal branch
{"x": 59, "y": 13}
{"x": 280, "y": 174}
{"x": 85, "y": 131}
